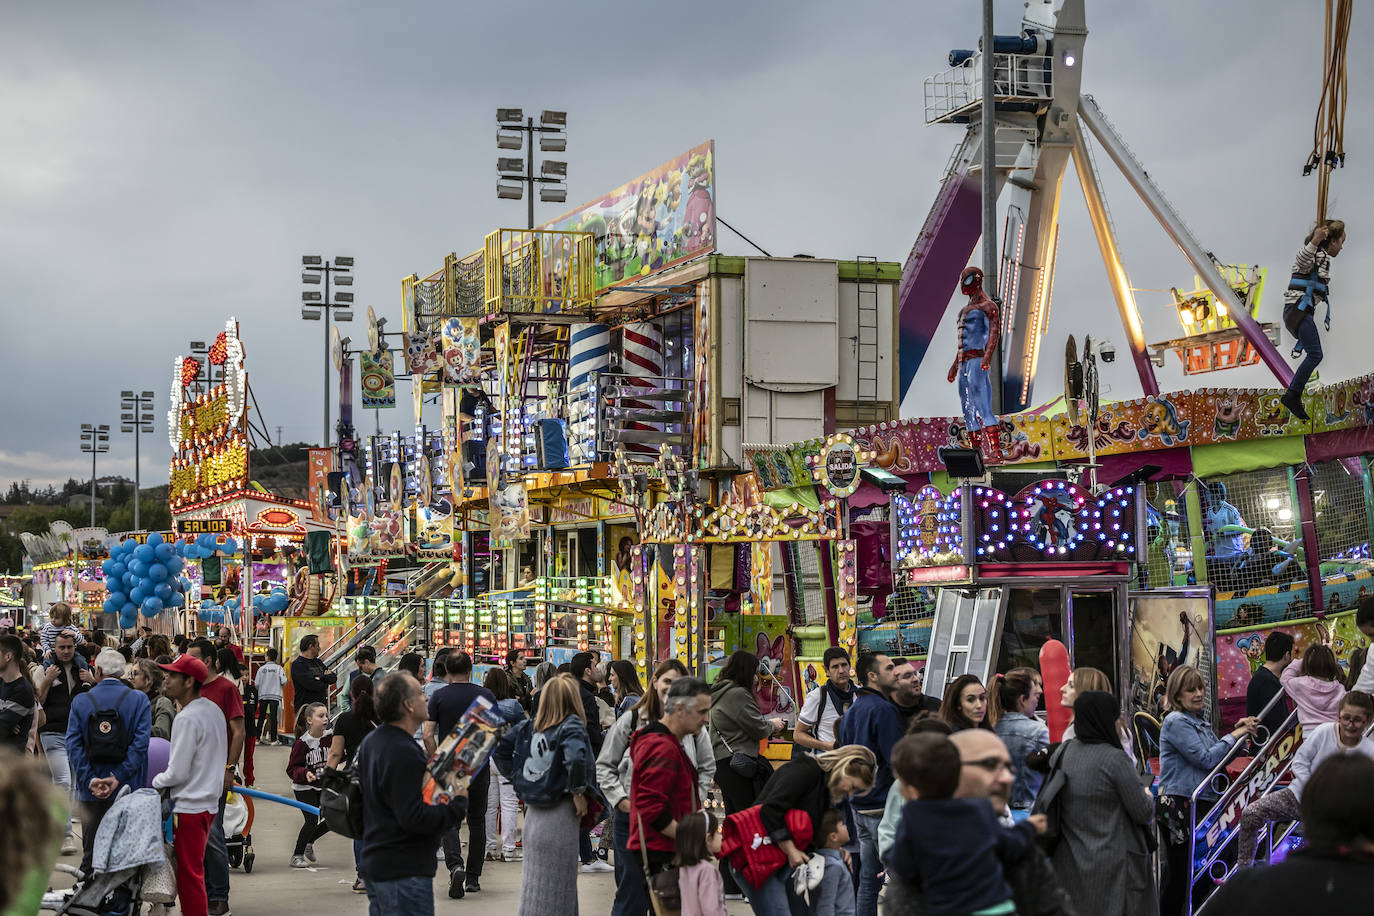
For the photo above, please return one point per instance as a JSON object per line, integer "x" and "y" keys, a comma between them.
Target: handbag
{"x": 741, "y": 764}
{"x": 341, "y": 802}
{"x": 1050, "y": 801}
{"x": 664, "y": 891}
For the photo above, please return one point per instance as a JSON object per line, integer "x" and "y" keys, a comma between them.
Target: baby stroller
{"x": 238, "y": 831}
{"x": 128, "y": 851}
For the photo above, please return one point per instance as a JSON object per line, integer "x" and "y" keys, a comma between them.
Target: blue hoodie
{"x": 876, "y": 724}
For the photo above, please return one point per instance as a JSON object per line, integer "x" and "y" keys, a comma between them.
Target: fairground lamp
{"x": 516, "y": 176}
{"x": 315, "y": 304}
{"x": 136, "y": 416}
{"x": 95, "y": 440}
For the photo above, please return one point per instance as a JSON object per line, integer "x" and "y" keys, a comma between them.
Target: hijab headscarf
{"x": 1094, "y": 718}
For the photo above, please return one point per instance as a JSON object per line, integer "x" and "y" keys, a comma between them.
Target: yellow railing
{"x": 539, "y": 271}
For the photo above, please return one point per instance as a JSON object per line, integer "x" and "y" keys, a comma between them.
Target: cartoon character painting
{"x": 1161, "y": 419}
{"x": 1053, "y": 513}
{"x": 698, "y": 217}
{"x": 1228, "y": 417}
{"x": 462, "y": 349}
{"x": 769, "y": 693}
{"x": 422, "y": 357}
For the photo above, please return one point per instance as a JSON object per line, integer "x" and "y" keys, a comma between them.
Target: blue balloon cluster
{"x": 143, "y": 577}
{"x": 272, "y": 603}
{"x": 205, "y": 546}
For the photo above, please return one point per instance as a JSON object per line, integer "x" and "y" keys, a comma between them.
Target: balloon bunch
{"x": 272, "y": 603}
{"x": 205, "y": 546}
{"x": 143, "y": 577}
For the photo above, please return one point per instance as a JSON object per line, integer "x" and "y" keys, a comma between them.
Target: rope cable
{"x": 1328, "y": 130}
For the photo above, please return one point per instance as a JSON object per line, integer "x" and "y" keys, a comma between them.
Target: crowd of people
{"x": 892, "y": 800}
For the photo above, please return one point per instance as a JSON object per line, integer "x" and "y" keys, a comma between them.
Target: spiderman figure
{"x": 979, "y": 331}
{"x": 1048, "y": 515}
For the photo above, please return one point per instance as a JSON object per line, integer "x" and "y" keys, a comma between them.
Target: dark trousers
{"x": 92, "y": 813}
{"x": 1173, "y": 893}
{"x": 217, "y": 859}
{"x": 477, "y": 829}
{"x": 270, "y": 712}
{"x": 313, "y": 828}
{"x": 739, "y": 793}
{"x": 631, "y": 892}
{"x": 1306, "y": 331}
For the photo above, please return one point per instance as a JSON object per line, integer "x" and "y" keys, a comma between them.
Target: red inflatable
{"x": 1054, "y": 671}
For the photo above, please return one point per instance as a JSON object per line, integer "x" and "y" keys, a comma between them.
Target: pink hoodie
{"x": 1317, "y": 701}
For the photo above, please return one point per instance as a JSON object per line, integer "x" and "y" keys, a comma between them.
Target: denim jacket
{"x": 1188, "y": 751}
{"x": 549, "y": 766}
{"x": 1023, "y": 735}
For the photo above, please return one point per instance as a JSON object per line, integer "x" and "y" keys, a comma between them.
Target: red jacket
{"x": 663, "y": 786}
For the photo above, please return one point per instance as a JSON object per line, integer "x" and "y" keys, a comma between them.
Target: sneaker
{"x": 70, "y": 846}
{"x": 603, "y": 854}
{"x": 219, "y": 908}
{"x": 596, "y": 868}
{"x": 511, "y": 855}
{"x": 472, "y": 885}
{"x": 310, "y": 853}
{"x": 299, "y": 862}
{"x": 493, "y": 854}
{"x": 734, "y": 897}
{"x": 359, "y": 887}
{"x": 455, "y": 884}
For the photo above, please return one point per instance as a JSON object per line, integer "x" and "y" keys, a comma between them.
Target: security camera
{"x": 1107, "y": 350}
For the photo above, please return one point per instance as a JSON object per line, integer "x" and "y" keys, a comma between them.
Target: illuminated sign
{"x": 838, "y": 465}
{"x": 202, "y": 526}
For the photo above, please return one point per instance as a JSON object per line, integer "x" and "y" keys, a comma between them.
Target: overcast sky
{"x": 164, "y": 166}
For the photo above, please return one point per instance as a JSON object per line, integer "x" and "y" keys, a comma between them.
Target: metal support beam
{"x": 989, "y": 190}
{"x": 1307, "y": 519}
{"x": 1173, "y": 225}
{"x": 1111, "y": 260}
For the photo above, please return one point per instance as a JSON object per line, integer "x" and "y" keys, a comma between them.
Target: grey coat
{"x": 1102, "y": 859}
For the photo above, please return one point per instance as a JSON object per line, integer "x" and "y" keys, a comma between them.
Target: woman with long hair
{"x": 625, "y": 682}
{"x": 550, "y": 762}
{"x": 737, "y": 727}
{"x": 353, "y": 725}
{"x": 1188, "y": 752}
{"x": 1015, "y": 696}
{"x": 145, "y": 675}
{"x": 1103, "y": 858}
{"x": 1315, "y": 687}
{"x": 965, "y": 704}
{"x": 811, "y": 785}
{"x": 1082, "y": 680}
{"x": 503, "y": 808}
{"x": 614, "y": 775}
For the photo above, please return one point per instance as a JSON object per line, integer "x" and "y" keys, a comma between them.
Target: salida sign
{"x": 202, "y": 526}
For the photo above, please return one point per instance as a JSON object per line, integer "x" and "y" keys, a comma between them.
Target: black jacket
{"x": 310, "y": 681}
{"x": 1035, "y": 889}
{"x": 400, "y": 832}
{"x": 593, "y": 714}
{"x": 799, "y": 785}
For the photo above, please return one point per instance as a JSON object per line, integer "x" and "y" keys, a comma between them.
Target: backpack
{"x": 107, "y": 741}
{"x": 341, "y": 801}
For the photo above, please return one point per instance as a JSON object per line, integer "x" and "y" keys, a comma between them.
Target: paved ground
{"x": 274, "y": 886}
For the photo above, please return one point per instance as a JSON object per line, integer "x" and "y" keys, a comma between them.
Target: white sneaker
{"x": 512, "y": 855}
{"x": 299, "y": 862}
{"x": 597, "y": 868}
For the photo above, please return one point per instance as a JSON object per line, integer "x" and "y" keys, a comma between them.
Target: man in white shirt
{"x": 194, "y": 776}
{"x": 1344, "y": 736}
{"x": 269, "y": 682}
{"x": 823, "y": 706}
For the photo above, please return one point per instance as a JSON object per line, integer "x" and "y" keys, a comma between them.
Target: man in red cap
{"x": 194, "y": 775}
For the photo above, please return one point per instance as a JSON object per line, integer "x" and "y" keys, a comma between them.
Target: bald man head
{"x": 986, "y": 767}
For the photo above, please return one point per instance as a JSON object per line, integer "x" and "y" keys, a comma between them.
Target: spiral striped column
{"x": 642, "y": 360}
{"x": 589, "y": 350}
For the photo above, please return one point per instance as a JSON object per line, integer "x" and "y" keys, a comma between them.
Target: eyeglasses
{"x": 1354, "y": 720}
{"x": 993, "y": 765}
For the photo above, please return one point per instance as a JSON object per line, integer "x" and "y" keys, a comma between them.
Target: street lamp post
{"x": 136, "y": 414}
{"x": 513, "y": 132}
{"x": 96, "y": 441}
{"x": 313, "y": 267}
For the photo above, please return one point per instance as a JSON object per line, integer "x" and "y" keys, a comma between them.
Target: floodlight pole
{"x": 529, "y": 171}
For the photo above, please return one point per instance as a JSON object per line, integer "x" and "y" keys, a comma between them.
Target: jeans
{"x": 477, "y": 829}
{"x": 503, "y": 810}
{"x": 217, "y": 860}
{"x": 55, "y": 749}
{"x": 631, "y": 893}
{"x": 411, "y": 896}
{"x": 869, "y": 863}
{"x": 774, "y": 897}
{"x": 1306, "y": 331}
{"x": 269, "y": 712}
